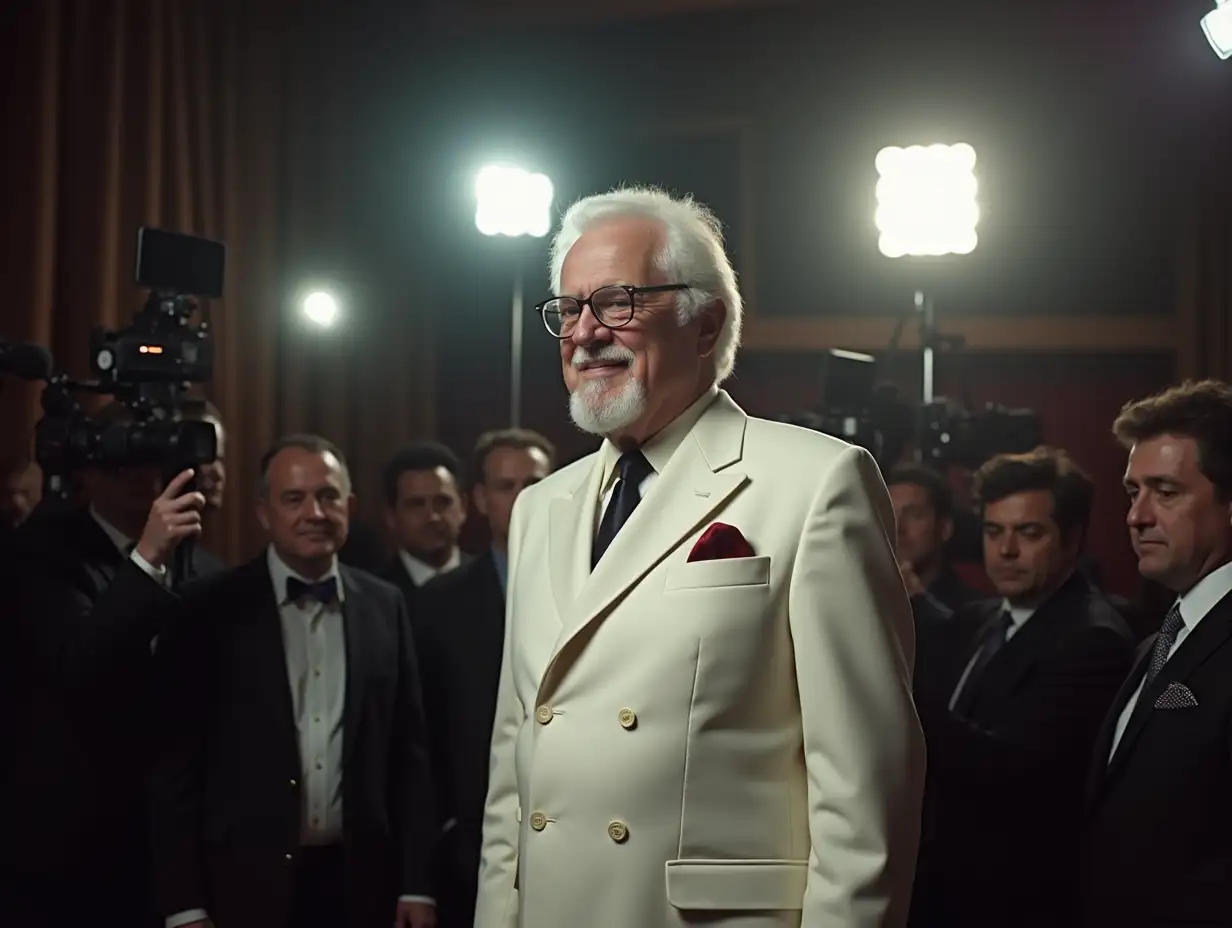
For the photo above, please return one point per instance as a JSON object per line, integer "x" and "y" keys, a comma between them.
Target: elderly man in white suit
{"x": 705, "y": 710}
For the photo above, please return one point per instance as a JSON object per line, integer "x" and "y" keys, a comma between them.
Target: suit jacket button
{"x": 289, "y": 857}
{"x": 538, "y": 821}
{"x": 628, "y": 719}
{"x": 543, "y": 715}
{"x": 293, "y": 783}
{"x": 618, "y": 832}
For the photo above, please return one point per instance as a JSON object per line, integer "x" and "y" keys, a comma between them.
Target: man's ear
{"x": 947, "y": 530}
{"x": 390, "y": 521}
{"x": 710, "y": 319}
{"x": 263, "y": 513}
{"x": 350, "y": 503}
{"x": 481, "y": 500}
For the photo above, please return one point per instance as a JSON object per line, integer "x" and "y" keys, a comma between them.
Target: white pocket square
{"x": 1176, "y": 696}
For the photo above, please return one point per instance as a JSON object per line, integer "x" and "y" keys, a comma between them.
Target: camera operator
{"x": 90, "y": 586}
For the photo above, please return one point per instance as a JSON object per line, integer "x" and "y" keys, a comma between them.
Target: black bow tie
{"x": 323, "y": 591}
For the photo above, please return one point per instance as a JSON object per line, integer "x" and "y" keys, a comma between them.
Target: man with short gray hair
{"x": 705, "y": 703}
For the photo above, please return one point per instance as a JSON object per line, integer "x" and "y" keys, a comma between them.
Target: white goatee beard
{"x": 597, "y": 409}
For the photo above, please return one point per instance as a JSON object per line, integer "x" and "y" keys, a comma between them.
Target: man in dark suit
{"x": 1011, "y": 719}
{"x": 292, "y": 785}
{"x": 462, "y": 620}
{"x": 87, "y": 591}
{"x": 425, "y": 514}
{"x": 924, "y": 515}
{"x": 1157, "y": 845}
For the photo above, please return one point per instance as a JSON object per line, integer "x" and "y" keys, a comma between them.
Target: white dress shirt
{"x": 1018, "y": 618}
{"x": 421, "y": 571}
{"x": 1194, "y": 606}
{"x": 315, "y": 649}
{"x": 658, "y": 451}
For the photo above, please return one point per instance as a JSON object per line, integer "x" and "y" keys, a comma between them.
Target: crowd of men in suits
{"x": 1077, "y": 763}
{"x": 701, "y": 709}
{"x": 292, "y": 741}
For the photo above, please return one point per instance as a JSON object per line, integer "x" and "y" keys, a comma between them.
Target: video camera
{"x": 147, "y": 367}
{"x": 943, "y": 433}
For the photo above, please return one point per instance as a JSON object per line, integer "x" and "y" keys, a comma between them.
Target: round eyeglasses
{"x": 612, "y": 306}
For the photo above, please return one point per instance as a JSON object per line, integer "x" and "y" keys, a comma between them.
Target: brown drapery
{"x": 232, "y": 120}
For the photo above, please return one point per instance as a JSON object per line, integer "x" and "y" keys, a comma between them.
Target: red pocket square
{"x": 720, "y": 542}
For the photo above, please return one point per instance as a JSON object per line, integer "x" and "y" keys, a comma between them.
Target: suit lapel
{"x": 571, "y": 521}
{"x": 694, "y": 485}
{"x": 1008, "y": 665}
{"x": 1098, "y": 773}
{"x": 357, "y": 630}
{"x": 256, "y": 591}
{"x": 1198, "y": 645}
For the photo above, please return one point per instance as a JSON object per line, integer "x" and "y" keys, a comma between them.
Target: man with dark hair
{"x": 461, "y": 624}
{"x": 425, "y": 514}
{"x": 292, "y": 782}
{"x": 924, "y": 515}
{"x": 86, "y": 600}
{"x": 1157, "y": 847}
{"x": 21, "y": 488}
{"x": 1010, "y": 725}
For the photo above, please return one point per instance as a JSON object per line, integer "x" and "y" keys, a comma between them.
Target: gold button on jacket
{"x": 628, "y": 718}
{"x": 538, "y": 821}
{"x": 618, "y": 832}
{"x": 543, "y": 715}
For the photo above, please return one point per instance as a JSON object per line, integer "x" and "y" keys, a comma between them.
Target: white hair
{"x": 692, "y": 254}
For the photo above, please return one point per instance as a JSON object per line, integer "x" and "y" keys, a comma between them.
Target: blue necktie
{"x": 633, "y": 469}
{"x": 323, "y": 591}
{"x": 994, "y": 640}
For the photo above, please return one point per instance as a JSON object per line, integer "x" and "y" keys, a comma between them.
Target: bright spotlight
{"x": 321, "y": 307}
{"x": 511, "y": 201}
{"x": 1217, "y": 25}
{"x": 926, "y": 200}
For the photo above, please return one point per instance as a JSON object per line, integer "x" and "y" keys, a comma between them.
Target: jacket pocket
{"x": 735, "y": 571}
{"x": 736, "y": 885}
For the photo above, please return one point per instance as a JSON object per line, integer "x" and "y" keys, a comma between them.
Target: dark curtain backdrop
{"x": 246, "y": 122}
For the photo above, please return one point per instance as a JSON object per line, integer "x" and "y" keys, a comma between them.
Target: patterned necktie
{"x": 633, "y": 468}
{"x": 324, "y": 591}
{"x": 1173, "y": 623}
{"x": 994, "y": 640}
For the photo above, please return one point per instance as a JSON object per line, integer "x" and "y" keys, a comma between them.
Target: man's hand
{"x": 415, "y": 915}
{"x": 173, "y": 517}
{"x": 911, "y": 580}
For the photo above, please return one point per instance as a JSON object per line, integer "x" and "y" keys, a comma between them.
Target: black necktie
{"x": 994, "y": 640}
{"x": 1173, "y": 623}
{"x": 323, "y": 591}
{"x": 633, "y": 468}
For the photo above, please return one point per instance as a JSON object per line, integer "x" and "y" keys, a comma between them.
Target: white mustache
{"x": 583, "y": 356}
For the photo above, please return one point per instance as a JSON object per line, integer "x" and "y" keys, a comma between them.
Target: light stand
{"x": 512, "y": 202}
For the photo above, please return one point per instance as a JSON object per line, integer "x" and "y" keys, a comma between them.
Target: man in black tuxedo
{"x": 425, "y": 514}
{"x": 1157, "y": 845}
{"x": 1011, "y": 720}
{"x": 462, "y": 623}
{"x": 292, "y": 782}
{"x": 88, "y": 591}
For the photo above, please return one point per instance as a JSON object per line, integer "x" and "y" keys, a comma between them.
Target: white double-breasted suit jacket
{"x": 724, "y": 742}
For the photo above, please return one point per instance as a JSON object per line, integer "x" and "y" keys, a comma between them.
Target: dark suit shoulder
{"x": 459, "y": 578}
{"x": 379, "y": 587}
{"x": 1101, "y": 616}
